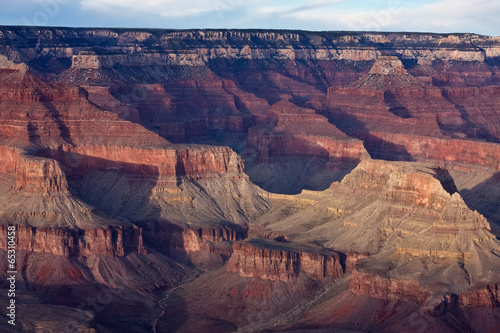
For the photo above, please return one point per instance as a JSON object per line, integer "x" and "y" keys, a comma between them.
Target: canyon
{"x": 250, "y": 180}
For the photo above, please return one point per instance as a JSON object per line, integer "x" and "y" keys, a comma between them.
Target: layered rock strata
{"x": 117, "y": 241}
{"x": 270, "y": 260}
{"x": 425, "y": 121}
{"x": 200, "y": 46}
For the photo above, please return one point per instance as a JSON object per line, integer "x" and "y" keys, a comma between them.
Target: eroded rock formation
{"x": 270, "y": 260}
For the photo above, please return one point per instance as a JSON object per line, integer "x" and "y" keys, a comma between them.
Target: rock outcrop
{"x": 400, "y": 117}
{"x": 419, "y": 238}
{"x": 385, "y": 288}
{"x": 270, "y": 260}
{"x": 42, "y": 114}
{"x": 116, "y": 241}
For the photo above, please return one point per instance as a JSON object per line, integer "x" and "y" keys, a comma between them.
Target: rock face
{"x": 111, "y": 241}
{"x": 384, "y": 288}
{"x": 178, "y": 242}
{"x": 388, "y": 65}
{"x": 288, "y": 125}
{"x": 289, "y": 133}
{"x": 322, "y": 46}
{"x": 485, "y": 297}
{"x": 269, "y": 260}
{"x": 425, "y": 122}
{"x": 38, "y": 113}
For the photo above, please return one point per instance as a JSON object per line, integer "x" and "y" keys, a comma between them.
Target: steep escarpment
{"x": 246, "y": 44}
{"x": 383, "y": 288}
{"x": 110, "y": 240}
{"x": 425, "y": 121}
{"x": 299, "y": 145}
{"x": 270, "y": 260}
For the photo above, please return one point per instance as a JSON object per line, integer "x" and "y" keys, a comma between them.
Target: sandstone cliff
{"x": 270, "y": 260}
{"x": 202, "y": 45}
{"x": 110, "y": 240}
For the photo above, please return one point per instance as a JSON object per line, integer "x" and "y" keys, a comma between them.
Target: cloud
{"x": 293, "y": 7}
{"x": 187, "y": 8}
{"x": 478, "y": 16}
{"x": 164, "y": 8}
{"x": 441, "y": 16}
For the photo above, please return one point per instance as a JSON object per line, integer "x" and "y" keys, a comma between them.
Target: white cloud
{"x": 441, "y": 16}
{"x": 166, "y": 8}
{"x": 285, "y": 7}
{"x": 186, "y": 8}
{"x": 479, "y": 16}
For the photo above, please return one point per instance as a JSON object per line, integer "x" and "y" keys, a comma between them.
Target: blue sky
{"x": 477, "y": 16}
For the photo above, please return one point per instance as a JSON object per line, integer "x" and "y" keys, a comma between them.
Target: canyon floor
{"x": 250, "y": 181}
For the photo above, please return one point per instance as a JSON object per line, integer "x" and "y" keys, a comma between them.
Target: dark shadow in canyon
{"x": 446, "y": 180}
{"x": 94, "y": 180}
{"x": 64, "y": 131}
{"x": 377, "y": 148}
{"x": 470, "y": 129}
{"x": 282, "y": 172}
{"x": 484, "y": 198}
{"x": 395, "y": 107}
{"x": 33, "y": 135}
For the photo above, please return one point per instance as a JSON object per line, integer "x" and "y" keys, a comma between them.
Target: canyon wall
{"x": 116, "y": 241}
{"x": 249, "y": 44}
{"x": 385, "y": 288}
{"x": 272, "y": 261}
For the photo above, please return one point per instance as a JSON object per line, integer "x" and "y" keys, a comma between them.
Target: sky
{"x": 443, "y": 16}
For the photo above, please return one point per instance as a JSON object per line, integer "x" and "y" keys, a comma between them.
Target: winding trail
{"x": 161, "y": 305}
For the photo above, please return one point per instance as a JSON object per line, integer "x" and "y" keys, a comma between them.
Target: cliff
{"x": 271, "y": 260}
{"x": 200, "y": 45}
{"x": 291, "y": 130}
{"x": 385, "y": 288}
{"x": 178, "y": 242}
{"x": 41, "y": 114}
{"x": 116, "y": 241}
{"x": 400, "y": 117}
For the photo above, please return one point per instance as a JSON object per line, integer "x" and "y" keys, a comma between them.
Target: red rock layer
{"x": 385, "y": 288}
{"x": 110, "y": 240}
{"x": 479, "y": 107}
{"x": 488, "y": 296}
{"x": 32, "y": 174}
{"x": 445, "y": 150}
{"x": 289, "y": 130}
{"x": 393, "y": 289}
{"x": 188, "y": 107}
{"x": 274, "y": 261}
{"x": 181, "y": 242}
{"x": 387, "y": 93}
{"x": 193, "y": 162}
{"x": 103, "y": 97}
{"x": 37, "y": 113}
{"x": 400, "y": 117}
